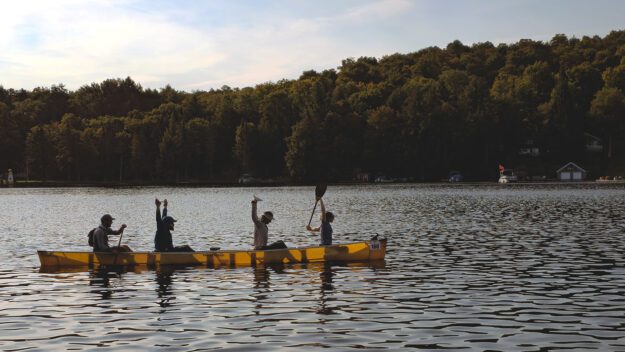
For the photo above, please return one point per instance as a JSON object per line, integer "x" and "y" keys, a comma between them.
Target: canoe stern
{"x": 377, "y": 249}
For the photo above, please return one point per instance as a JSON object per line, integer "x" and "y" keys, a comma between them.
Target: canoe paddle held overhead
{"x": 320, "y": 190}
{"x": 326, "y": 218}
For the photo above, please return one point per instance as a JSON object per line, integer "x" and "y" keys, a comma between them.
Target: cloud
{"x": 377, "y": 9}
{"x": 76, "y": 43}
{"x": 202, "y": 45}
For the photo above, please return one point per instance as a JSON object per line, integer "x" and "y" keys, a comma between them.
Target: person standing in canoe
{"x": 101, "y": 233}
{"x": 164, "y": 225}
{"x": 325, "y": 228}
{"x": 261, "y": 231}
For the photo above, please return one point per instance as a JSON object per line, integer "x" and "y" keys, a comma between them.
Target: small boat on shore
{"x": 349, "y": 252}
{"x": 507, "y": 176}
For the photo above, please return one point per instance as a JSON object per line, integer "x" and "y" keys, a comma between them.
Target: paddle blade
{"x": 320, "y": 190}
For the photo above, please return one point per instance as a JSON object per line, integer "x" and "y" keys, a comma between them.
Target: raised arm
{"x": 254, "y": 214}
{"x": 158, "y": 212}
{"x": 323, "y": 210}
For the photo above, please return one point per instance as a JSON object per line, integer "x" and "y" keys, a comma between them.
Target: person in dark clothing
{"x": 325, "y": 228}
{"x": 164, "y": 225}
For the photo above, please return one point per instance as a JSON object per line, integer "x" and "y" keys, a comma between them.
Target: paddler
{"x": 261, "y": 231}
{"x": 164, "y": 225}
{"x": 325, "y": 228}
{"x": 101, "y": 233}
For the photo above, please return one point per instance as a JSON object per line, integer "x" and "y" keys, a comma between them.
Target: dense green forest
{"x": 530, "y": 105}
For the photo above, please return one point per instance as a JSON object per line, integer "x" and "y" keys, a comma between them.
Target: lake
{"x": 469, "y": 267}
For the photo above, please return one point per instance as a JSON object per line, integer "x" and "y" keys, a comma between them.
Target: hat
{"x": 169, "y": 220}
{"x": 268, "y": 215}
{"x": 106, "y": 217}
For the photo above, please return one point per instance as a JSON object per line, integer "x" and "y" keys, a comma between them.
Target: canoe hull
{"x": 358, "y": 251}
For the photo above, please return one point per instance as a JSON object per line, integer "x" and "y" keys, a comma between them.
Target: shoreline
{"x": 192, "y": 184}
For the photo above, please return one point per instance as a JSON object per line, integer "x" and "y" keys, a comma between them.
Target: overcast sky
{"x": 198, "y": 45}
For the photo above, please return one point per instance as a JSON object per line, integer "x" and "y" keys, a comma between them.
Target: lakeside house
{"x": 571, "y": 172}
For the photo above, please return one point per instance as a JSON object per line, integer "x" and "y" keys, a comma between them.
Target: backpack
{"x": 90, "y": 237}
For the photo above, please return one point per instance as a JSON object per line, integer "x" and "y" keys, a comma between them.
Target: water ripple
{"x": 469, "y": 267}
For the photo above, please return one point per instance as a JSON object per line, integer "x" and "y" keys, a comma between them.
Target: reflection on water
{"x": 100, "y": 281}
{"x": 164, "y": 282}
{"x": 476, "y": 268}
{"x": 325, "y": 289}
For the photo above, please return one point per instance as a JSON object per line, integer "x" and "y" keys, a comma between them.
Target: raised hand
{"x": 165, "y": 203}
{"x": 157, "y": 202}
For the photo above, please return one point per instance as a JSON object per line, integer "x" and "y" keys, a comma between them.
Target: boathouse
{"x": 571, "y": 172}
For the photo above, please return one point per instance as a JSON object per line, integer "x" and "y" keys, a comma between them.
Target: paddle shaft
{"x": 118, "y": 248}
{"x": 320, "y": 190}
{"x": 313, "y": 212}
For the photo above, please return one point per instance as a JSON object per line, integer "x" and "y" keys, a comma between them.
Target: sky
{"x": 198, "y": 45}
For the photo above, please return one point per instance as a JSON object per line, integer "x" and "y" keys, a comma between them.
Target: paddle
{"x": 320, "y": 190}
{"x": 120, "y": 236}
{"x": 120, "y": 239}
{"x": 118, "y": 246}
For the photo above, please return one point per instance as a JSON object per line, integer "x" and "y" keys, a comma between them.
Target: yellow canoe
{"x": 349, "y": 252}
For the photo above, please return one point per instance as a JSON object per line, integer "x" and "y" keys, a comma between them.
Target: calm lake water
{"x": 469, "y": 267}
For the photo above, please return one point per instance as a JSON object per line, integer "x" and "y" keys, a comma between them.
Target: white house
{"x": 571, "y": 172}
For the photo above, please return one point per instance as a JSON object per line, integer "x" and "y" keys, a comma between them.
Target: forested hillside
{"x": 416, "y": 115}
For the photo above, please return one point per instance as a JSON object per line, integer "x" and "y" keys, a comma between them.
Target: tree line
{"x": 416, "y": 115}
